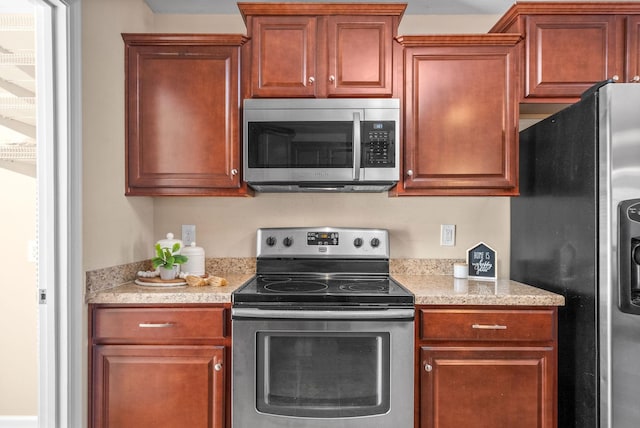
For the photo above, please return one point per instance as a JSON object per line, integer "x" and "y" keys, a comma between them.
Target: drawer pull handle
{"x": 155, "y": 325}
{"x": 217, "y": 367}
{"x": 489, "y": 327}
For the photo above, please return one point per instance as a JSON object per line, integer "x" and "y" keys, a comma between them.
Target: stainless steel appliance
{"x": 322, "y": 336}
{"x": 575, "y": 230}
{"x": 309, "y": 145}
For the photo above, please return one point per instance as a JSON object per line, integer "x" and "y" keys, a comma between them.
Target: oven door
{"x": 322, "y": 368}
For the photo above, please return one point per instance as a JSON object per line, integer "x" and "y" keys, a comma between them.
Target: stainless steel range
{"x": 322, "y": 336}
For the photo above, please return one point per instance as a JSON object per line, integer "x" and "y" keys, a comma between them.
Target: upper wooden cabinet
{"x": 320, "y": 50}
{"x": 460, "y": 115}
{"x": 182, "y": 114}
{"x": 570, "y": 46}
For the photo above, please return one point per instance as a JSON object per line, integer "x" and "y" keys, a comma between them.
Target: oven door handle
{"x": 368, "y": 314}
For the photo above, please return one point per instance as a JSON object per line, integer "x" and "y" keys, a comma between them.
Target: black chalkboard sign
{"x": 482, "y": 261}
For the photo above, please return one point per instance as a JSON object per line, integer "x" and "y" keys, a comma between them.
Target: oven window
{"x": 300, "y": 144}
{"x": 328, "y": 375}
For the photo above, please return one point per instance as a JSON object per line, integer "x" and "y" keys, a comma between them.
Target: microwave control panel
{"x": 378, "y": 144}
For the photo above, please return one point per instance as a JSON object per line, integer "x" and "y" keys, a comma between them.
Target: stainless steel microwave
{"x": 321, "y": 144}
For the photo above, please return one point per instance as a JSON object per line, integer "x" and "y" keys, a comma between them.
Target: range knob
{"x": 375, "y": 242}
{"x": 271, "y": 241}
{"x": 287, "y": 241}
{"x": 357, "y": 242}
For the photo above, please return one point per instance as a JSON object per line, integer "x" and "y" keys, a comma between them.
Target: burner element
{"x": 367, "y": 286}
{"x": 295, "y": 286}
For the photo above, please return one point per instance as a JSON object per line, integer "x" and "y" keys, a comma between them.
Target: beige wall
{"x": 116, "y": 229}
{"x": 446, "y": 24}
{"x": 18, "y": 304}
{"x": 120, "y": 230}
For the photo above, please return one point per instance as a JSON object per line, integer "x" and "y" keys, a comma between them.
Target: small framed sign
{"x": 483, "y": 262}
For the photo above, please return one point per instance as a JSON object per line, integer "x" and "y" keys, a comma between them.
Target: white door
{"x": 43, "y": 95}
{"x": 62, "y": 361}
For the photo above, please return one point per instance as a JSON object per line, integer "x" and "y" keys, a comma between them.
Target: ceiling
{"x": 414, "y": 7}
{"x": 17, "y": 82}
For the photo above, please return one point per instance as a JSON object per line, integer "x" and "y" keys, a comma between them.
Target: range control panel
{"x": 325, "y": 242}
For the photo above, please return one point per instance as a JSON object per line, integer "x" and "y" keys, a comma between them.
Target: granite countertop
{"x": 447, "y": 290}
{"x": 428, "y": 290}
{"x": 132, "y": 293}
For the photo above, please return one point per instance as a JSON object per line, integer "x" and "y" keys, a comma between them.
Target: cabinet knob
{"x": 217, "y": 367}
{"x": 428, "y": 367}
{"x": 234, "y": 171}
{"x": 312, "y": 79}
{"x": 332, "y": 78}
{"x": 615, "y": 77}
{"x": 635, "y": 79}
{"x": 410, "y": 173}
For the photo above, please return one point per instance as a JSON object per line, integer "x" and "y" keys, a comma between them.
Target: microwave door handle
{"x": 356, "y": 146}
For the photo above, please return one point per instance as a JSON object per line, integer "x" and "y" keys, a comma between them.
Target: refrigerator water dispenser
{"x": 629, "y": 263}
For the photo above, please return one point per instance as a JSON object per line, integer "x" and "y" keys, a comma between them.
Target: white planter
{"x": 169, "y": 273}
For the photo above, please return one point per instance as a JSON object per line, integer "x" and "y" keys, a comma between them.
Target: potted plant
{"x": 167, "y": 260}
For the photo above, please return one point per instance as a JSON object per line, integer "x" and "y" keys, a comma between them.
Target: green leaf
{"x": 179, "y": 259}
{"x": 176, "y": 247}
{"x": 159, "y": 251}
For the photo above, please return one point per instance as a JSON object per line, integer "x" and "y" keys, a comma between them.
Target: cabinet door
{"x": 487, "y": 387}
{"x": 567, "y": 54}
{"x": 182, "y": 120}
{"x": 360, "y": 56}
{"x": 632, "y": 72}
{"x": 284, "y": 56}
{"x": 460, "y": 114}
{"x": 158, "y": 386}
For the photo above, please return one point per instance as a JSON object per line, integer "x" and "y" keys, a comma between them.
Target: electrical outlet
{"x": 188, "y": 234}
{"x": 448, "y": 235}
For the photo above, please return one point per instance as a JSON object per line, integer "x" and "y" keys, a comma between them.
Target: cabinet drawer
{"x": 487, "y": 324}
{"x": 158, "y": 324}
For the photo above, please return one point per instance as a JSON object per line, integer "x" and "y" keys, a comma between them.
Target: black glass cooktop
{"x": 322, "y": 290}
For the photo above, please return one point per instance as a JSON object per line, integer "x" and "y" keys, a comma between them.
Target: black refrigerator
{"x": 575, "y": 230}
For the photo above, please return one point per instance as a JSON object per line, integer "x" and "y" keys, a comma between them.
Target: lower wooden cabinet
{"x": 169, "y": 366}
{"x": 152, "y": 386}
{"x": 157, "y": 367}
{"x": 486, "y": 367}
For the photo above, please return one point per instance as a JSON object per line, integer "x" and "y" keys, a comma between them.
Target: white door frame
{"x": 61, "y": 326}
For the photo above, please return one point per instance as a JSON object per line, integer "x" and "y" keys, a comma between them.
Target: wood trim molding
{"x": 180, "y": 39}
{"x": 563, "y": 8}
{"x": 501, "y": 39}
{"x": 282, "y": 9}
